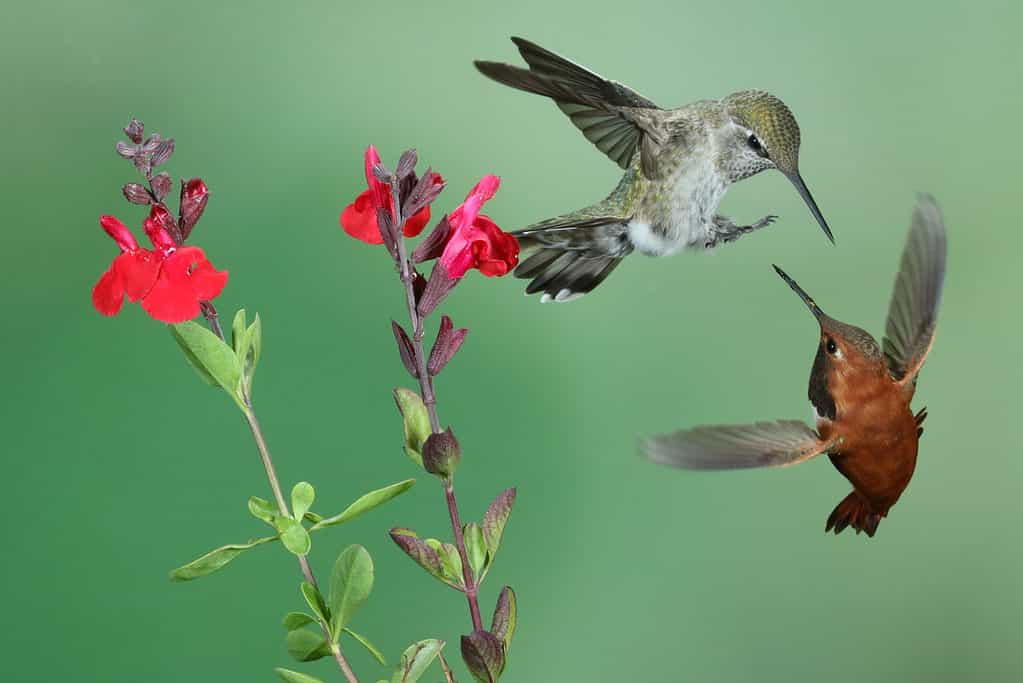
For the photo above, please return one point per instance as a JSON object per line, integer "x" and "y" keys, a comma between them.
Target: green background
{"x": 119, "y": 464}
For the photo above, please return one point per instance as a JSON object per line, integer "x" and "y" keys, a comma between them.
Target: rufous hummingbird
{"x": 678, "y": 165}
{"x": 860, "y": 393}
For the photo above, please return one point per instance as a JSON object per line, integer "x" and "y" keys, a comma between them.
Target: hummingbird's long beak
{"x": 811, "y": 304}
{"x": 804, "y": 192}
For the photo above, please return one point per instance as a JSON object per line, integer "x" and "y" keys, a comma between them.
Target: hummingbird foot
{"x": 723, "y": 230}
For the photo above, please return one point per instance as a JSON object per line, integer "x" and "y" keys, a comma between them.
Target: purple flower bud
{"x": 405, "y": 350}
{"x": 483, "y": 655}
{"x": 433, "y": 246}
{"x": 134, "y": 130}
{"x": 126, "y": 151}
{"x": 437, "y": 289}
{"x": 163, "y": 152}
{"x": 406, "y": 164}
{"x": 136, "y": 194}
{"x": 194, "y": 195}
{"x": 441, "y": 453}
{"x": 448, "y": 342}
{"x": 161, "y": 184}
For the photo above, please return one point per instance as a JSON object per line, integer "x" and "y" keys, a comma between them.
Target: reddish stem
{"x": 430, "y": 400}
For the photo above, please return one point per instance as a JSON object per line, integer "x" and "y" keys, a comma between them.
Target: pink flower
{"x": 475, "y": 241}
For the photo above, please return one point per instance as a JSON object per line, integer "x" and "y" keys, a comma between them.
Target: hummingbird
{"x": 860, "y": 393}
{"x": 678, "y": 165}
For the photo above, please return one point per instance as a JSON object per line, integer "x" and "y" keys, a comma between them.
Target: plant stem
{"x": 210, "y": 313}
{"x": 449, "y": 676}
{"x": 282, "y": 507}
{"x": 430, "y": 400}
{"x": 471, "y": 589}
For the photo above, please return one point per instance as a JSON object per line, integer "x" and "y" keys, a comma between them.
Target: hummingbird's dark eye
{"x": 831, "y": 346}
{"x": 754, "y": 143}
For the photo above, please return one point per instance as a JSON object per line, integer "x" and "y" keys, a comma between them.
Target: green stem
{"x": 282, "y": 507}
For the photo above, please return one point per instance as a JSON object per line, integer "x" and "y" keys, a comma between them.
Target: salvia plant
{"x": 175, "y": 283}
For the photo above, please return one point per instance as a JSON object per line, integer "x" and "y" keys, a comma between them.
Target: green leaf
{"x": 302, "y": 497}
{"x": 364, "y": 641}
{"x": 293, "y": 535}
{"x": 289, "y": 676}
{"x": 415, "y": 659}
{"x": 254, "y": 337}
{"x": 306, "y": 646}
{"x": 366, "y": 503}
{"x": 475, "y": 547}
{"x": 315, "y": 601}
{"x": 262, "y": 510}
{"x": 416, "y": 422}
{"x": 210, "y": 356}
{"x": 312, "y": 518}
{"x": 296, "y": 620}
{"x": 495, "y": 519}
{"x": 450, "y": 562}
{"x": 350, "y": 585}
{"x": 505, "y": 617}
{"x": 238, "y": 332}
{"x": 420, "y": 552}
{"x": 215, "y": 559}
{"x": 483, "y": 655}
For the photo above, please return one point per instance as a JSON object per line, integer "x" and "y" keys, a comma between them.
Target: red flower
{"x": 475, "y": 240}
{"x": 170, "y": 281}
{"x": 359, "y": 219}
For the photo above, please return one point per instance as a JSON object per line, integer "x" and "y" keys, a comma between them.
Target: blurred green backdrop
{"x": 119, "y": 464}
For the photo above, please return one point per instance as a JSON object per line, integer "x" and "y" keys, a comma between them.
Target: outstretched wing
{"x": 616, "y": 119}
{"x": 730, "y": 447}
{"x": 913, "y": 312}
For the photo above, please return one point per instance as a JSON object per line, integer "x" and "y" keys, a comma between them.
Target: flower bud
{"x": 194, "y": 195}
{"x": 136, "y": 194}
{"x": 134, "y": 130}
{"x": 483, "y": 656}
{"x": 441, "y": 453}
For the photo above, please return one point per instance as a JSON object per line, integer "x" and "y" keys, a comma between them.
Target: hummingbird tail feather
{"x": 853, "y": 511}
{"x": 573, "y": 254}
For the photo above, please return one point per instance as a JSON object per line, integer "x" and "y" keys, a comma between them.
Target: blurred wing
{"x": 731, "y": 447}
{"x": 913, "y": 312}
{"x": 616, "y": 119}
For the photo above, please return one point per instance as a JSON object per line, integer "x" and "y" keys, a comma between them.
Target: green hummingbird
{"x": 678, "y": 165}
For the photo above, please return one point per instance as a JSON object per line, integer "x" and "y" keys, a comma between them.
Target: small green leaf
{"x": 306, "y": 646}
{"x": 293, "y": 535}
{"x": 495, "y": 519}
{"x": 238, "y": 332}
{"x": 302, "y": 497}
{"x": 262, "y": 509}
{"x": 296, "y": 620}
{"x": 254, "y": 337}
{"x": 364, "y": 641}
{"x": 505, "y": 617}
{"x": 420, "y": 552}
{"x": 210, "y": 356}
{"x": 289, "y": 676}
{"x": 350, "y": 585}
{"x": 416, "y": 421}
{"x": 215, "y": 559}
{"x": 366, "y": 503}
{"x": 415, "y": 660}
{"x": 315, "y": 601}
{"x": 312, "y": 518}
{"x": 450, "y": 562}
{"x": 475, "y": 547}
